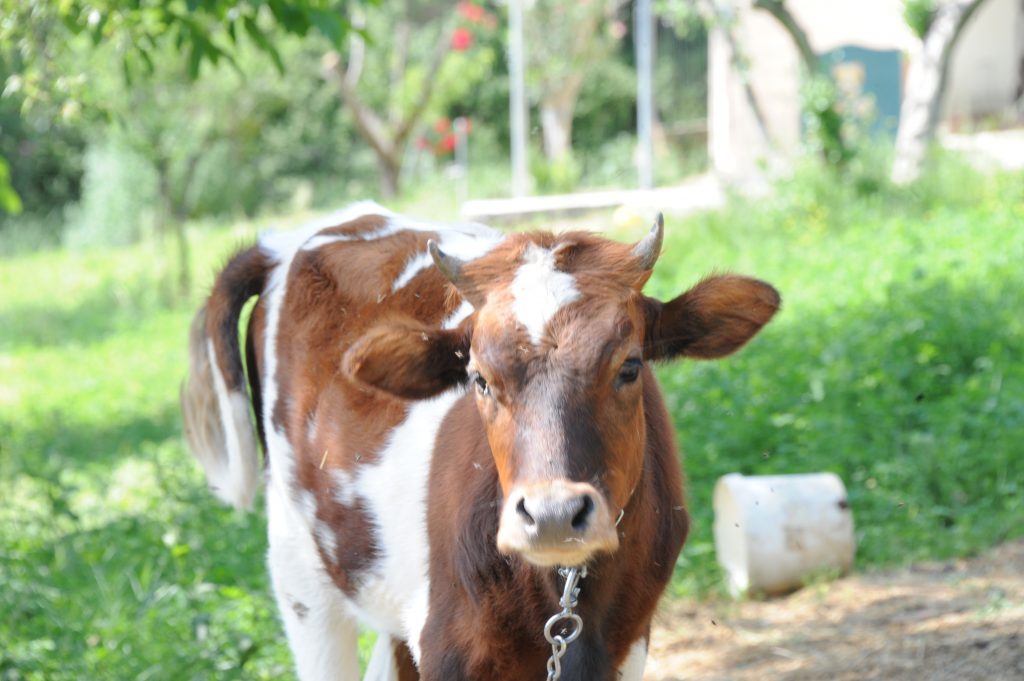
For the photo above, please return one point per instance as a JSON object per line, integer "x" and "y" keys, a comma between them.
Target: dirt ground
{"x": 956, "y": 620}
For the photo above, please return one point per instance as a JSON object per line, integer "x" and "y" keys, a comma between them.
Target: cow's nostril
{"x": 579, "y": 521}
{"x": 523, "y": 513}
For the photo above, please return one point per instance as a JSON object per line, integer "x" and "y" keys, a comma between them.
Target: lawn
{"x": 896, "y": 363}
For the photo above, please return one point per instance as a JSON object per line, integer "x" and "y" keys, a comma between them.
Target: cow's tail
{"x": 214, "y": 400}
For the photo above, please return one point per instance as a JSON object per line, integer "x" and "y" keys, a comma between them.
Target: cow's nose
{"x": 551, "y": 517}
{"x": 556, "y": 523}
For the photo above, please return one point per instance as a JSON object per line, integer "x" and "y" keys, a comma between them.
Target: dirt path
{"x": 957, "y": 620}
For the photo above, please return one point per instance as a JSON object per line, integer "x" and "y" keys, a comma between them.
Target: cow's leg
{"x": 633, "y": 668}
{"x": 322, "y": 635}
{"x": 391, "y": 661}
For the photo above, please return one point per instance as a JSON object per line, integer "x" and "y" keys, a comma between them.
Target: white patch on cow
{"x": 633, "y": 668}
{"x": 416, "y": 264}
{"x": 539, "y": 291}
{"x": 326, "y": 540}
{"x": 456, "y": 317}
{"x": 311, "y": 428}
{"x": 233, "y": 479}
{"x": 465, "y": 245}
{"x": 394, "y": 598}
{"x": 344, "y": 488}
{"x": 382, "y": 665}
{"x": 321, "y": 630}
{"x": 395, "y": 224}
{"x": 305, "y": 503}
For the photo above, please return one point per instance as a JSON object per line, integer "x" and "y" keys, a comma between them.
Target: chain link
{"x": 572, "y": 623}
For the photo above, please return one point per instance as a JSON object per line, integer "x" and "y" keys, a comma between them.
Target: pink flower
{"x": 461, "y": 39}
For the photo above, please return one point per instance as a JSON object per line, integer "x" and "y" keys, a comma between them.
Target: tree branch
{"x": 778, "y": 9}
{"x": 441, "y": 49}
{"x": 367, "y": 122}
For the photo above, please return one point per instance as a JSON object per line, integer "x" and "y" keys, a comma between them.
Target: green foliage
{"x": 557, "y": 176}
{"x": 824, "y": 124}
{"x": 206, "y": 31}
{"x": 606, "y": 106}
{"x": 10, "y": 202}
{"x": 919, "y": 14}
{"x": 42, "y": 149}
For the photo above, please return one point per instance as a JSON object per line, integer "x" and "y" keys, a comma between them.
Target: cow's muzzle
{"x": 556, "y": 523}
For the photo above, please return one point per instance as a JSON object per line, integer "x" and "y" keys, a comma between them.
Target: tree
{"x": 44, "y": 46}
{"x": 939, "y": 24}
{"x": 390, "y": 82}
{"x": 565, "y": 41}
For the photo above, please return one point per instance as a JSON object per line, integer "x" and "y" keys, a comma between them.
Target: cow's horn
{"x": 450, "y": 266}
{"x": 649, "y": 248}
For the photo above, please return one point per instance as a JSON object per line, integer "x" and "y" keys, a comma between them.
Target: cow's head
{"x": 556, "y": 356}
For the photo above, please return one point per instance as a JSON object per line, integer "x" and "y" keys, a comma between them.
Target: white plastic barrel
{"x": 772, "y": 532}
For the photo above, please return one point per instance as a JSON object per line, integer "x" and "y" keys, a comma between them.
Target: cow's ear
{"x": 408, "y": 359}
{"x": 713, "y": 319}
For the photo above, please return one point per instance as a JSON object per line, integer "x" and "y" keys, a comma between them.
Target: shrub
{"x": 118, "y": 190}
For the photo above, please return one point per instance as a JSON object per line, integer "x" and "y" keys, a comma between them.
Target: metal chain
{"x": 560, "y": 641}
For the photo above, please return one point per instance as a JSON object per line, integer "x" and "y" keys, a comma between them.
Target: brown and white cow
{"x": 448, "y": 414}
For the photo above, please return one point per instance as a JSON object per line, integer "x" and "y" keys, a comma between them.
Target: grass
{"x": 895, "y": 363}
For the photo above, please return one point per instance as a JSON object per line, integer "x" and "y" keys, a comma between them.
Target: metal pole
{"x": 517, "y": 96}
{"x": 644, "y": 32}
{"x": 461, "y": 126}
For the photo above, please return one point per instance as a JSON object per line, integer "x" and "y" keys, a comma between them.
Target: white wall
{"x": 984, "y": 70}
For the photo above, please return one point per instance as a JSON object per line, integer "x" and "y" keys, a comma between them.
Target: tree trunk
{"x": 926, "y": 85}
{"x": 778, "y": 9}
{"x": 556, "y": 112}
{"x": 389, "y": 172}
{"x": 170, "y": 225}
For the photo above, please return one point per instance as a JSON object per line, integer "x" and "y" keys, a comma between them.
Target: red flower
{"x": 442, "y": 125}
{"x": 447, "y": 144}
{"x": 461, "y": 39}
{"x": 470, "y": 12}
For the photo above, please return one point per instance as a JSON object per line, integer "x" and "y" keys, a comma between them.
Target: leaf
{"x": 144, "y": 54}
{"x": 331, "y": 24}
{"x": 260, "y": 38}
{"x": 195, "y": 58}
{"x": 289, "y": 17}
{"x": 126, "y": 70}
{"x": 97, "y": 29}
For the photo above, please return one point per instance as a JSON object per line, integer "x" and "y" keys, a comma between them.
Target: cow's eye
{"x": 480, "y": 382}
{"x": 630, "y": 370}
